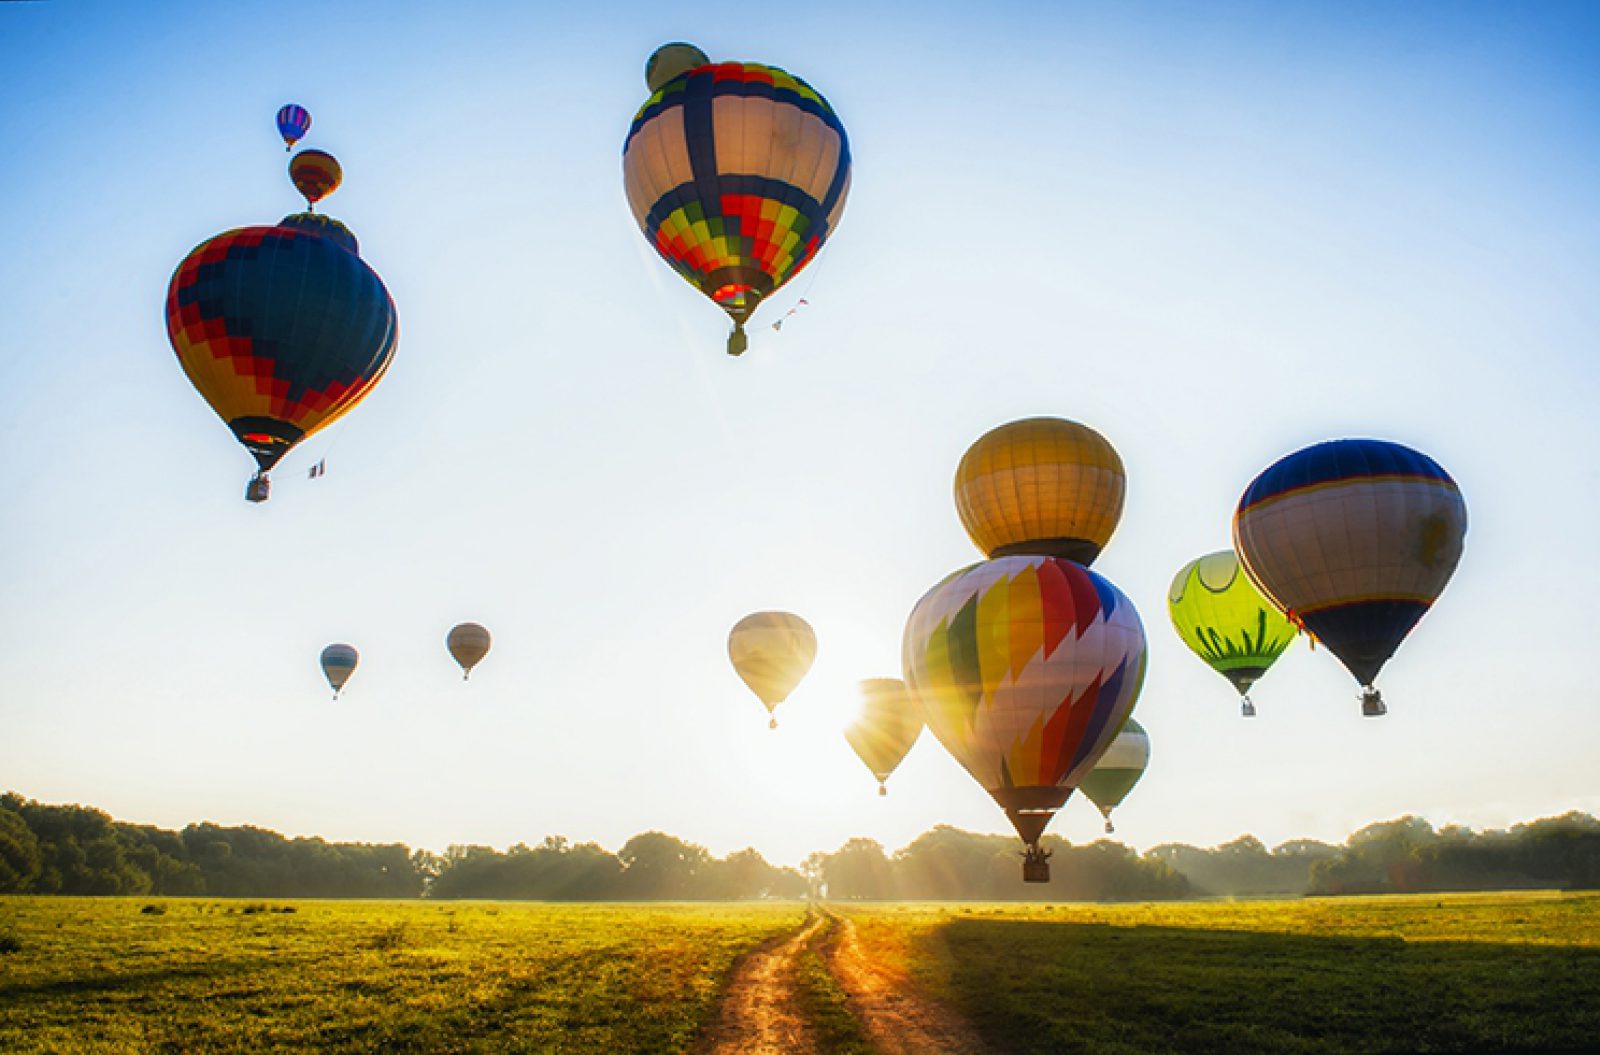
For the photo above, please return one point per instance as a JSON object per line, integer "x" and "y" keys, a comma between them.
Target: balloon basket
{"x": 882, "y": 790}
{"x": 1246, "y": 708}
{"x": 1109, "y": 826}
{"x": 259, "y": 489}
{"x": 1372, "y": 705}
{"x": 1035, "y": 865}
{"x": 772, "y": 723}
{"x": 737, "y": 341}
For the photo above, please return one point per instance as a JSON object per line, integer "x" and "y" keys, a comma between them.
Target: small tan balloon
{"x": 468, "y": 643}
{"x": 1041, "y": 487}
{"x": 771, "y": 652}
{"x": 338, "y": 663}
{"x": 887, "y": 726}
{"x": 670, "y": 61}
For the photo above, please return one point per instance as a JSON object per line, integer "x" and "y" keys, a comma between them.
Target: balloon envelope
{"x": 772, "y": 651}
{"x": 736, "y": 173}
{"x": 670, "y": 61}
{"x": 1226, "y": 621}
{"x": 324, "y": 225}
{"x": 1041, "y": 486}
{"x": 338, "y": 663}
{"x": 281, "y": 331}
{"x": 293, "y": 124}
{"x": 1118, "y": 770}
{"x": 468, "y": 643}
{"x": 886, "y": 727}
{"x": 1356, "y": 539}
{"x": 1025, "y": 667}
{"x": 315, "y": 174}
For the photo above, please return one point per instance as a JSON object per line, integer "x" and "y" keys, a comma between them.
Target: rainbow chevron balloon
{"x": 1026, "y": 668}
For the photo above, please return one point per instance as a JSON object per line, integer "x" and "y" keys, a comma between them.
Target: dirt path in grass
{"x": 760, "y": 1012}
{"x": 894, "y": 1018}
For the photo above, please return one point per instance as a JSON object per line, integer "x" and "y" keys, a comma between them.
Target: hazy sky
{"x": 1215, "y": 232}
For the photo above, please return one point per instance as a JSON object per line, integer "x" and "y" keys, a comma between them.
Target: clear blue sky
{"x": 1215, "y": 232}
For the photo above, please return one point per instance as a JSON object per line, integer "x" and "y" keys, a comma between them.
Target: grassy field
{"x": 106, "y": 975}
{"x": 1512, "y": 972}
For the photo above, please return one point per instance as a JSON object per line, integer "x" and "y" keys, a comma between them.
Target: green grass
{"x": 103, "y": 975}
{"x": 1511, "y": 972}
{"x": 1515, "y": 972}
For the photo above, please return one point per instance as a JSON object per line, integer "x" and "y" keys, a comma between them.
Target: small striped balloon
{"x": 293, "y": 124}
{"x": 315, "y": 174}
{"x": 338, "y": 663}
{"x": 1356, "y": 539}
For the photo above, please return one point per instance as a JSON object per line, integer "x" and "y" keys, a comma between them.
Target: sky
{"x": 1214, "y": 232}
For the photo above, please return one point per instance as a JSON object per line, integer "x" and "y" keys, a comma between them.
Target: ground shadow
{"x": 1037, "y": 987}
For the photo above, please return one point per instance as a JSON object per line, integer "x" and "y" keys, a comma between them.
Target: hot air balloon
{"x": 338, "y": 663}
{"x": 315, "y": 174}
{"x": 1026, "y": 667}
{"x": 1118, "y": 770}
{"x": 737, "y": 174}
{"x": 468, "y": 643}
{"x": 671, "y": 61}
{"x": 325, "y": 225}
{"x": 282, "y": 330}
{"x": 1355, "y": 539}
{"x": 1227, "y": 622}
{"x": 888, "y": 725}
{"x": 1041, "y": 486}
{"x": 293, "y": 124}
{"x": 772, "y": 651}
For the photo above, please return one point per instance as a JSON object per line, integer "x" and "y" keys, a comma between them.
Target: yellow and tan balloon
{"x": 1041, "y": 486}
{"x": 771, "y": 652}
{"x": 468, "y": 644}
{"x": 886, "y": 728}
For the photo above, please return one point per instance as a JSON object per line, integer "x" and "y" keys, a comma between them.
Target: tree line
{"x": 50, "y": 849}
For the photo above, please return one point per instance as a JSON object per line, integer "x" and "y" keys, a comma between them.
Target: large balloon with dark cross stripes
{"x": 737, "y": 173}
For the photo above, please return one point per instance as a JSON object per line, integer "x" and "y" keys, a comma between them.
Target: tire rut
{"x": 759, "y": 1013}
{"x": 895, "y": 1019}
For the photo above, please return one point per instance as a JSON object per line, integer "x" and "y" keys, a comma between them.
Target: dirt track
{"x": 761, "y": 1012}
{"x": 895, "y": 1019}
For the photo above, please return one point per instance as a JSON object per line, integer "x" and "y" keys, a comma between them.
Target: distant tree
{"x": 1110, "y": 871}
{"x": 589, "y": 872}
{"x": 658, "y": 866}
{"x": 1244, "y": 867}
{"x": 427, "y": 865}
{"x": 811, "y": 868}
{"x": 469, "y": 872}
{"x": 1380, "y": 858}
{"x": 20, "y": 860}
{"x": 746, "y": 874}
{"x": 159, "y": 854}
{"x": 1563, "y": 850}
{"x": 858, "y": 870}
{"x": 946, "y": 862}
{"x": 49, "y": 849}
{"x": 80, "y": 851}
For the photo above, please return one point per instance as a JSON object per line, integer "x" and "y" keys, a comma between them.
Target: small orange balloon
{"x": 315, "y": 174}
